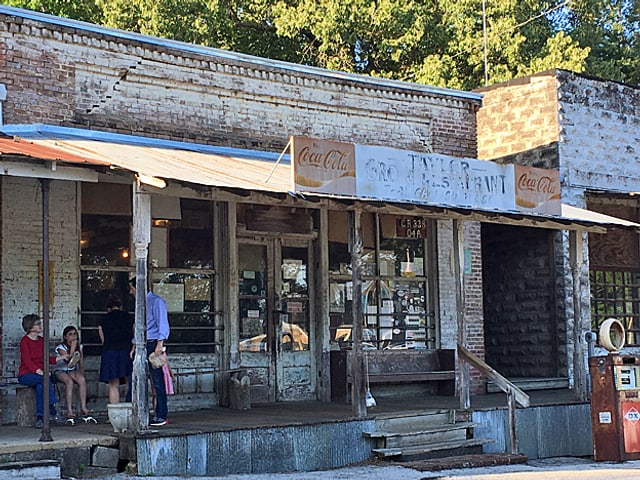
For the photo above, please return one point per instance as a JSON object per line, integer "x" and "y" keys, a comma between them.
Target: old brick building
{"x": 97, "y": 82}
{"x": 587, "y": 128}
{"x": 256, "y": 274}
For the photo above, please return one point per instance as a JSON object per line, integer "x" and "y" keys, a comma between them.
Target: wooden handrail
{"x": 514, "y": 394}
{"x": 505, "y": 385}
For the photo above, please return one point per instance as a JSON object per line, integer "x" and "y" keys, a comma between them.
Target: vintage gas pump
{"x": 615, "y": 398}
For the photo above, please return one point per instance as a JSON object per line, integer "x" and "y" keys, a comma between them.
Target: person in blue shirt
{"x": 157, "y": 333}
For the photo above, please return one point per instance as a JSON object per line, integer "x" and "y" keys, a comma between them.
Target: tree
{"x": 611, "y": 28}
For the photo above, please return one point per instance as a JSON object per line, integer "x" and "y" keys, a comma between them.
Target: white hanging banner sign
{"x": 401, "y": 175}
{"x": 391, "y": 174}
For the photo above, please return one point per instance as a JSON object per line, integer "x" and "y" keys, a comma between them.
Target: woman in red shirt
{"x": 31, "y": 371}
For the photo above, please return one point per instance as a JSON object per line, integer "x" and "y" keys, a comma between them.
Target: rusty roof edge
{"x": 52, "y": 132}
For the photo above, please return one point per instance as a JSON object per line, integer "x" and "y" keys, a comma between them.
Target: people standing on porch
{"x": 116, "y": 331}
{"x": 70, "y": 370}
{"x": 169, "y": 379}
{"x": 157, "y": 333}
{"x": 31, "y": 370}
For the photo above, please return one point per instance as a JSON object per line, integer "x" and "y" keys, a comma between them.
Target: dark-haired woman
{"x": 70, "y": 370}
{"x": 116, "y": 332}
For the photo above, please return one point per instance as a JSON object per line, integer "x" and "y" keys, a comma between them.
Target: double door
{"x": 275, "y": 309}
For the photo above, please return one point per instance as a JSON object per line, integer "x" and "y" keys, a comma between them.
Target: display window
{"x": 180, "y": 264}
{"x": 398, "y": 282}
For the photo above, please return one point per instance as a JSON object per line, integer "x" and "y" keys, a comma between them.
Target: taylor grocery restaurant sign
{"x": 383, "y": 173}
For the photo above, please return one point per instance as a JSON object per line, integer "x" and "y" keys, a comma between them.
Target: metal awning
{"x": 225, "y": 167}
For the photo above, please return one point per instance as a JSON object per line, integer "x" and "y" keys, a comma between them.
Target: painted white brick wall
{"x": 22, "y": 248}
{"x": 446, "y": 285}
{"x": 143, "y": 88}
{"x": 600, "y": 135}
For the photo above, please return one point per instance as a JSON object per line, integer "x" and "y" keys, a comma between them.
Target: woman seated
{"x": 70, "y": 370}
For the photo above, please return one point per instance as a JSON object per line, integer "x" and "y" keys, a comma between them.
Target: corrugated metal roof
{"x": 239, "y": 169}
{"x": 18, "y": 146}
{"x": 181, "y": 161}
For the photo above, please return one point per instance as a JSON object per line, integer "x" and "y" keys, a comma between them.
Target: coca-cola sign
{"x": 323, "y": 166}
{"x": 538, "y": 190}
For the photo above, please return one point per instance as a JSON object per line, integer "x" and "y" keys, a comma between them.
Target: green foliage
{"x": 86, "y": 10}
{"x": 439, "y": 42}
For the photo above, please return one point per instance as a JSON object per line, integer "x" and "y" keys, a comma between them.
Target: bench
{"x": 25, "y": 406}
{"x": 408, "y": 366}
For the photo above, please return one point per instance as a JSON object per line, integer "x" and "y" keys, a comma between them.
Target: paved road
{"x": 546, "y": 469}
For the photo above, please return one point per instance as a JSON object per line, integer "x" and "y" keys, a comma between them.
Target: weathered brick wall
{"x": 520, "y": 117}
{"x": 22, "y": 248}
{"x": 522, "y": 336}
{"x": 472, "y": 310}
{"x": 65, "y": 76}
{"x": 600, "y": 147}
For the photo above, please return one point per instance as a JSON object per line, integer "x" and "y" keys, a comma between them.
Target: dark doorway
{"x": 523, "y": 337}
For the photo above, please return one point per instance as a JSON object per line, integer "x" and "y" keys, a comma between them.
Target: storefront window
{"x": 398, "y": 292}
{"x": 180, "y": 264}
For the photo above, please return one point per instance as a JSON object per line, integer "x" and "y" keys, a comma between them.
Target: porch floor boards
{"x": 13, "y": 438}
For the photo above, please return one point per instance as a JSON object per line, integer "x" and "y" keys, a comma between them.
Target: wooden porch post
{"x": 358, "y": 402}
{"x": 579, "y": 362}
{"x": 458, "y": 262}
{"x": 141, "y": 240}
{"x": 322, "y": 322}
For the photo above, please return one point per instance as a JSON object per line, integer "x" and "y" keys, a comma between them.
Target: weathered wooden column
{"x": 579, "y": 361}
{"x": 358, "y": 401}
{"x": 458, "y": 262}
{"x": 46, "y": 427}
{"x": 141, "y": 240}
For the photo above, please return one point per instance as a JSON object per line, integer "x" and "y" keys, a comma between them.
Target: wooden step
{"x": 442, "y": 433}
{"x": 532, "y": 384}
{"x": 439, "y": 428}
{"x": 422, "y": 449}
{"x": 410, "y": 423}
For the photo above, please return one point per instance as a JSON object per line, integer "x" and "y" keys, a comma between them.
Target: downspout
{"x": 46, "y": 401}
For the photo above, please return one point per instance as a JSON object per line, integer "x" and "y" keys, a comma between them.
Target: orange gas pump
{"x": 615, "y": 397}
{"x": 615, "y": 407}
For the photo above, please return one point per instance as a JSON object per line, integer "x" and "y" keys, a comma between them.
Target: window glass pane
{"x": 190, "y": 241}
{"x": 340, "y": 313}
{"x": 295, "y": 299}
{"x": 401, "y": 257}
{"x": 105, "y": 240}
{"x": 616, "y": 294}
{"x": 190, "y": 306}
{"x": 253, "y": 325}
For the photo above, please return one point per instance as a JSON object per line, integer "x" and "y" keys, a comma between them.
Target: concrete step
{"x": 41, "y": 469}
{"x": 424, "y": 449}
